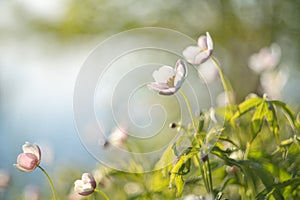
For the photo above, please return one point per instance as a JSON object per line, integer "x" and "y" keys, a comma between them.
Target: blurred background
{"x": 43, "y": 44}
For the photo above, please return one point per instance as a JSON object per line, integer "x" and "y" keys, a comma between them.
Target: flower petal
{"x": 190, "y": 53}
{"x": 163, "y": 74}
{"x": 203, "y": 56}
{"x": 210, "y": 44}
{"x": 168, "y": 91}
{"x": 202, "y": 42}
{"x": 88, "y": 178}
{"x": 181, "y": 73}
{"x": 21, "y": 168}
{"x": 86, "y": 185}
{"x": 180, "y": 68}
{"x": 34, "y": 149}
{"x": 162, "y": 88}
{"x": 158, "y": 86}
{"x": 27, "y": 162}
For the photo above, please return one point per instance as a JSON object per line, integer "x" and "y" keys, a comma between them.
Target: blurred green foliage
{"x": 239, "y": 28}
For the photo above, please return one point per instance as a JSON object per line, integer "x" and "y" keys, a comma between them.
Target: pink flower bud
{"x": 86, "y": 185}
{"x": 29, "y": 159}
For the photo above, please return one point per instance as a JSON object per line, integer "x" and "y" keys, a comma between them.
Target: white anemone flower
{"x": 266, "y": 59}
{"x": 169, "y": 80}
{"x": 201, "y": 53}
{"x": 273, "y": 82}
{"x": 86, "y": 185}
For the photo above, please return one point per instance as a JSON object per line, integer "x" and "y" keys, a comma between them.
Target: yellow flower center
{"x": 170, "y": 82}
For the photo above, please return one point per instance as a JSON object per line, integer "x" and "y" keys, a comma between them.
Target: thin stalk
{"x": 224, "y": 83}
{"x": 50, "y": 182}
{"x": 203, "y": 173}
{"x": 247, "y": 150}
{"x": 210, "y": 176}
{"x": 189, "y": 108}
{"x": 102, "y": 193}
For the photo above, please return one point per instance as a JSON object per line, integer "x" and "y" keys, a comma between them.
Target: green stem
{"x": 247, "y": 150}
{"x": 50, "y": 181}
{"x": 102, "y": 193}
{"x": 189, "y": 108}
{"x": 203, "y": 173}
{"x": 224, "y": 83}
{"x": 210, "y": 176}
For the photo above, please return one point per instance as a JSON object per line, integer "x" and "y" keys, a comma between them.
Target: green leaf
{"x": 265, "y": 176}
{"x": 248, "y": 166}
{"x": 211, "y": 138}
{"x": 180, "y": 168}
{"x": 226, "y": 112}
{"x": 244, "y": 107}
{"x": 157, "y": 182}
{"x": 201, "y": 122}
{"x": 290, "y": 114}
{"x": 228, "y": 139}
{"x": 257, "y": 119}
{"x": 271, "y": 117}
{"x": 269, "y": 190}
{"x": 179, "y": 183}
{"x": 166, "y": 159}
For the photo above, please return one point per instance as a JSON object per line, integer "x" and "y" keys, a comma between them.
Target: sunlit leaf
{"x": 244, "y": 107}
{"x": 158, "y": 182}
{"x": 257, "y": 119}
{"x": 275, "y": 187}
{"x": 271, "y": 117}
{"x": 179, "y": 183}
{"x": 181, "y": 167}
{"x": 290, "y": 114}
{"x": 166, "y": 159}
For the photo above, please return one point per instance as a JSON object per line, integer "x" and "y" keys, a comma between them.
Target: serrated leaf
{"x": 244, "y": 107}
{"x": 257, "y": 119}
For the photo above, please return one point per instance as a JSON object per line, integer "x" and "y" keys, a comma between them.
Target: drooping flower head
{"x": 169, "y": 80}
{"x": 29, "y": 159}
{"x": 201, "y": 53}
{"x": 86, "y": 185}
